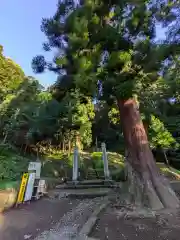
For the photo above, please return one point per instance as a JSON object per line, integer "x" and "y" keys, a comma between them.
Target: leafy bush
{"x": 60, "y": 165}
{"x": 5, "y": 185}
{"x": 12, "y": 165}
{"x": 159, "y": 136}
{"x": 57, "y": 165}
{"x": 97, "y": 160}
{"x": 116, "y": 165}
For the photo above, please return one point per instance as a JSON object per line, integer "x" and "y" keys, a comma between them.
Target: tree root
{"x": 149, "y": 192}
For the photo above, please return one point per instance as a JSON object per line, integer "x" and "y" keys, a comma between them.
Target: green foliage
{"x": 32, "y": 116}
{"x": 11, "y": 75}
{"x": 106, "y": 52}
{"x": 115, "y": 161}
{"x": 107, "y": 128}
{"x": 110, "y": 52}
{"x": 12, "y": 164}
{"x": 80, "y": 114}
{"x": 38, "y": 122}
{"x": 97, "y": 160}
{"x": 159, "y": 135}
{"x": 5, "y": 185}
{"x": 99, "y": 46}
{"x": 116, "y": 165}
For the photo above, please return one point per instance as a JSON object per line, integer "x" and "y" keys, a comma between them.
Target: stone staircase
{"x": 84, "y": 189}
{"x": 93, "y": 175}
{"x": 86, "y": 184}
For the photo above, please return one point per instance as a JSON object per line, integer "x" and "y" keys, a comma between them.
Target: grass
{"x": 169, "y": 172}
{"x": 12, "y": 165}
{"x": 116, "y": 164}
{"x": 59, "y": 164}
{"x": 175, "y": 170}
{"x": 5, "y": 185}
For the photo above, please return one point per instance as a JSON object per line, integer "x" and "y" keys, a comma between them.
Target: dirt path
{"x": 30, "y": 220}
{"x": 113, "y": 226}
{"x": 47, "y": 219}
{"x": 70, "y": 224}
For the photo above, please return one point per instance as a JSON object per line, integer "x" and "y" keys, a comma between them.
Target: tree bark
{"x": 146, "y": 183}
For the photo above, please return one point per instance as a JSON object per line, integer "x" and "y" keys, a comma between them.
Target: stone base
{"x": 87, "y": 184}
{"x": 80, "y": 193}
{"x": 73, "y": 182}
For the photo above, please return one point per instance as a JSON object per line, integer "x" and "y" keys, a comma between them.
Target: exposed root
{"x": 141, "y": 190}
{"x": 147, "y": 192}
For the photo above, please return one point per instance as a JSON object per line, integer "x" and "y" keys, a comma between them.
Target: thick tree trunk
{"x": 147, "y": 185}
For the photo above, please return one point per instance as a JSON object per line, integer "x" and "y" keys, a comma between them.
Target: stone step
{"x": 90, "y": 174}
{"x": 93, "y": 176}
{"x": 81, "y": 186}
{"x": 93, "y": 182}
{"x": 79, "y": 193}
{"x": 94, "y": 173}
{"x": 87, "y": 195}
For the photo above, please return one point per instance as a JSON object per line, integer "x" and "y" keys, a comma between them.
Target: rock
{"x": 27, "y": 236}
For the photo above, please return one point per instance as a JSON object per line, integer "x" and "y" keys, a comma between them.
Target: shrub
{"x": 12, "y": 165}
{"x": 97, "y": 160}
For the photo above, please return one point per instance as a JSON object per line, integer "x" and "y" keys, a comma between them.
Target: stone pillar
{"x": 105, "y": 161}
{"x": 75, "y": 164}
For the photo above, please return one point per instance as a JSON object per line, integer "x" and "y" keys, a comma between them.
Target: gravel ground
{"x": 113, "y": 225}
{"x": 47, "y": 219}
{"x": 62, "y": 219}
{"x": 70, "y": 224}
{"x": 29, "y": 220}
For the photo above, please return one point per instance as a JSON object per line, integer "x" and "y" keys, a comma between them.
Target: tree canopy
{"x": 116, "y": 83}
{"x": 108, "y": 50}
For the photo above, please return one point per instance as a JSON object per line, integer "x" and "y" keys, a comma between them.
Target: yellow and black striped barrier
{"x": 22, "y": 188}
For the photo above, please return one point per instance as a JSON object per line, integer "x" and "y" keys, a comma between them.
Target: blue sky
{"x": 21, "y": 36}
{"x": 20, "y": 33}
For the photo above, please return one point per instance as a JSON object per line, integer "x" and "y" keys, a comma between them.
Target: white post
{"x": 75, "y": 164}
{"x": 105, "y": 160}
